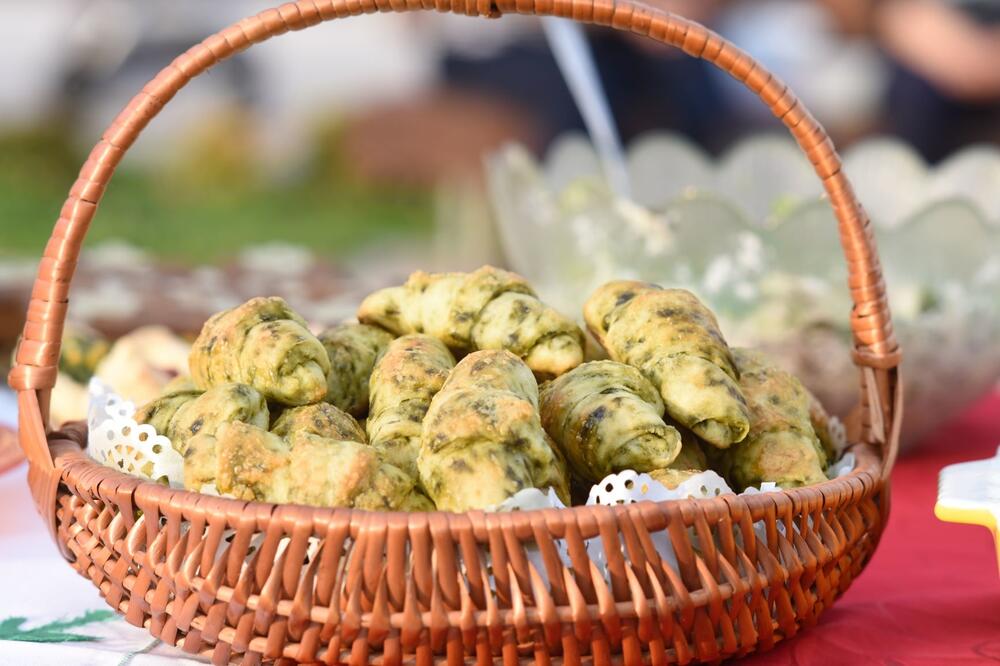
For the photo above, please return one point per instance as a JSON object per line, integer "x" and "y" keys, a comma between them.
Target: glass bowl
{"x": 749, "y": 232}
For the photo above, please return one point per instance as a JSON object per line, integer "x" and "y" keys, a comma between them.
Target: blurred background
{"x": 327, "y": 162}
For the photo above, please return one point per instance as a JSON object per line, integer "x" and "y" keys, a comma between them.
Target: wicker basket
{"x": 250, "y": 581}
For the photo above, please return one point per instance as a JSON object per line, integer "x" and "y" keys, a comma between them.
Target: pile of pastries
{"x": 138, "y": 364}
{"x": 454, "y": 391}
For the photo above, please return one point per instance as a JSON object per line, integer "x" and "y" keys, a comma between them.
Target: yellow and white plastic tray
{"x": 969, "y": 493}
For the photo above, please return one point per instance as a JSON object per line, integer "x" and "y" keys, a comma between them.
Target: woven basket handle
{"x": 876, "y": 351}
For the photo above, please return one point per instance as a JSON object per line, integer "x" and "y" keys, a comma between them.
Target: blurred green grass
{"x": 208, "y": 205}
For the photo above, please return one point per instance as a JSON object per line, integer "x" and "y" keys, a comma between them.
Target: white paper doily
{"x": 529, "y": 499}
{"x": 116, "y": 440}
{"x": 842, "y": 467}
{"x": 630, "y": 486}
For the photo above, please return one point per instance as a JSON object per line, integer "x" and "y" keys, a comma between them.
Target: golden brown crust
{"x": 181, "y": 416}
{"x": 482, "y": 438}
{"x": 265, "y": 344}
{"x": 412, "y": 370}
{"x": 322, "y": 420}
{"x": 160, "y": 412}
{"x": 253, "y": 464}
{"x": 606, "y": 417}
{"x": 675, "y": 341}
{"x": 486, "y": 309}
{"x": 671, "y": 478}
{"x": 782, "y": 446}
{"x": 692, "y": 454}
{"x": 353, "y": 350}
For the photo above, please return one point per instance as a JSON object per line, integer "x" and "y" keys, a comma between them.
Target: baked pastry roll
{"x": 482, "y": 438}
{"x": 486, "y": 309}
{"x": 81, "y": 351}
{"x": 675, "y": 341}
{"x": 182, "y": 415}
{"x": 671, "y": 478}
{"x": 412, "y": 370}
{"x": 353, "y": 350}
{"x": 782, "y": 446}
{"x": 336, "y": 473}
{"x": 322, "y": 420}
{"x": 251, "y": 463}
{"x": 141, "y": 363}
{"x": 265, "y": 344}
{"x": 606, "y": 417}
{"x": 180, "y": 384}
{"x": 160, "y": 412}
{"x": 692, "y": 455}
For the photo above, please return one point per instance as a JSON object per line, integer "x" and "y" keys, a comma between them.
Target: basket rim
{"x": 81, "y": 472}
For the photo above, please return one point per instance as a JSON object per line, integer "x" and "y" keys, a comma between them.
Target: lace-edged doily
{"x": 116, "y": 440}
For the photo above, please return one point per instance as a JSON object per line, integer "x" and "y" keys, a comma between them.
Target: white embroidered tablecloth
{"x": 49, "y": 614}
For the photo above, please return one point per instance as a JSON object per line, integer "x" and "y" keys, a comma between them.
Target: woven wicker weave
{"x": 250, "y": 581}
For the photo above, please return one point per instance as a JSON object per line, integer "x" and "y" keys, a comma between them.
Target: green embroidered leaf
{"x": 11, "y": 624}
{"x": 53, "y": 632}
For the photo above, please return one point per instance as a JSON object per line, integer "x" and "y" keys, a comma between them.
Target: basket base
{"x": 197, "y": 579}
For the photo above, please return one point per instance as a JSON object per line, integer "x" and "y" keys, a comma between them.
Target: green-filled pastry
{"x": 322, "y": 420}
{"x": 486, "y": 309}
{"x": 412, "y": 370}
{"x": 353, "y": 350}
{"x": 689, "y": 462}
{"x": 482, "y": 438}
{"x": 782, "y": 446}
{"x": 606, "y": 417}
{"x": 691, "y": 456}
{"x": 182, "y": 415}
{"x": 671, "y": 478}
{"x": 160, "y": 413}
{"x": 253, "y": 464}
{"x": 266, "y": 345}
{"x": 81, "y": 351}
{"x": 180, "y": 384}
{"x": 332, "y": 473}
{"x": 675, "y": 341}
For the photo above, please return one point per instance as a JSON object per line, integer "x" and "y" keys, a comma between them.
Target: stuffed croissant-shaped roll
{"x": 782, "y": 446}
{"x": 265, "y": 344}
{"x": 412, "y": 370}
{"x": 160, "y": 412}
{"x": 689, "y": 462}
{"x": 486, "y": 309}
{"x": 335, "y": 473}
{"x": 181, "y": 416}
{"x": 322, "y": 420}
{"x": 251, "y": 463}
{"x": 606, "y": 417}
{"x": 483, "y": 440}
{"x": 675, "y": 341}
{"x": 671, "y": 478}
{"x": 353, "y": 350}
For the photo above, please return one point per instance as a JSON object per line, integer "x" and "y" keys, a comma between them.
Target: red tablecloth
{"x": 931, "y": 594}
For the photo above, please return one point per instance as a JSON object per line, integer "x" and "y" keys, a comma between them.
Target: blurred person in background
{"x": 648, "y": 85}
{"x": 944, "y": 91}
{"x": 924, "y": 70}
